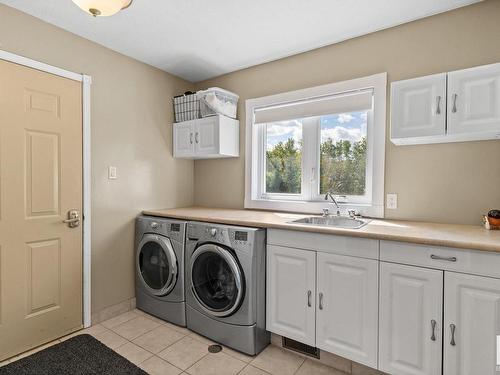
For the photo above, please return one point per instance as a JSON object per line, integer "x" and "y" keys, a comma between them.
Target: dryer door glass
{"x": 157, "y": 264}
{"x": 216, "y": 280}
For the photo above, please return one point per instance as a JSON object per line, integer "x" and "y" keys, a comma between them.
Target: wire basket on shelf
{"x": 186, "y": 107}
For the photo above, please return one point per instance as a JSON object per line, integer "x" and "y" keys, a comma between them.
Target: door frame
{"x": 86, "y": 227}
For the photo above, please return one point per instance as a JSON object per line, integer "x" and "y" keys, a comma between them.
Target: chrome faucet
{"x": 334, "y": 201}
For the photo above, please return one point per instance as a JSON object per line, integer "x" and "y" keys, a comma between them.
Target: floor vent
{"x": 214, "y": 348}
{"x": 299, "y": 347}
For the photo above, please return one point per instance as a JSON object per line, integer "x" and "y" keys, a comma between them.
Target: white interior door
{"x": 347, "y": 314}
{"x": 183, "y": 139}
{"x": 472, "y": 325}
{"x": 418, "y": 107}
{"x": 291, "y": 285}
{"x": 410, "y": 320}
{"x": 474, "y": 100}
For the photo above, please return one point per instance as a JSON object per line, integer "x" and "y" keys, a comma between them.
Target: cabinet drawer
{"x": 343, "y": 245}
{"x": 444, "y": 258}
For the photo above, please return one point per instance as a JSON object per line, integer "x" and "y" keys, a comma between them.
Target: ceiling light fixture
{"x": 102, "y": 8}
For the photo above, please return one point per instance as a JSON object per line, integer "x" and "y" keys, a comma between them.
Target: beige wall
{"x": 131, "y": 129}
{"x": 443, "y": 183}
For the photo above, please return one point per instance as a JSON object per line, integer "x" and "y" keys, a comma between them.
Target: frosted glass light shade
{"x": 102, "y": 8}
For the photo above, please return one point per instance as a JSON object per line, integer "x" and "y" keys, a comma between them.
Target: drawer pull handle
{"x": 309, "y": 294}
{"x": 454, "y": 109}
{"x": 452, "y": 328}
{"x": 433, "y": 326}
{"x": 321, "y": 301}
{"x": 438, "y": 105}
{"x": 449, "y": 259}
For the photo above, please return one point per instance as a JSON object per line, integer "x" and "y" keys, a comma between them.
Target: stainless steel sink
{"x": 332, "y": 221}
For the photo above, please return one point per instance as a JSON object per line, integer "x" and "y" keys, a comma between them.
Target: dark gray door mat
{"x": 78, "y": 355}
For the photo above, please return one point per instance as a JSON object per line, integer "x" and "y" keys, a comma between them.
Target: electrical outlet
{"x": 391, "y": 201}
{"x": 112, "y": 173}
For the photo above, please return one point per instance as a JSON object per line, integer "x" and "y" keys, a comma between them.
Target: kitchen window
{"x": 305, "y": 143}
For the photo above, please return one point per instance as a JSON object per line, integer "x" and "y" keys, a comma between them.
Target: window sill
{"x": 313, "y": 207}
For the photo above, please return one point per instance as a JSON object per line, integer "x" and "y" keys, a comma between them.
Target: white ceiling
{"x": 200, "y": 39}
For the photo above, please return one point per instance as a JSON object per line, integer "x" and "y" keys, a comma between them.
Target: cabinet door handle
{"x": 452, "y": 328}
{"x": 191, "y": 138}
{"x": 454, "y": 108}
{"x": 309, "y": 294}
{"x": 196, "y": 138}
{"x": 321, "y": 301}
{"x": 433, "y": 326}
{"x": 438, "y": 105}
{"x": 448, "y": 259}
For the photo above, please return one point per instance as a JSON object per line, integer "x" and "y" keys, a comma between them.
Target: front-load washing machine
{"x": 159, "y": 264}
{"x": 225, "y": 285}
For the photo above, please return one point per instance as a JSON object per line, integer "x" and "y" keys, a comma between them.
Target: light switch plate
{"x": 391, "y": 201}
{"x": 112, "y": 173}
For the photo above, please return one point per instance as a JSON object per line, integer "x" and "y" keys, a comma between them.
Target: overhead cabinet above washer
{"x": 206, "y": 138}
{"x": 459, "y": 106}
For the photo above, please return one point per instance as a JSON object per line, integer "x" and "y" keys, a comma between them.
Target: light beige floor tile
{"x": 133, "y": 353}
{"x": 158, "y": 339}
{"x": 359, "y": 369}
{"x": 216, "y": 364}
{"x": 238, "y": 355}
{"x": 120, "y": 319}
{"x": 135, "y": 327}
{"x": 278, "y": 361}
{"x": 184, "y": 353}
{"x": 250, "y": 370}
{"x": 157, "y": 366}
{"x": 177, "y": 328}
{"x": 201, "y": 338}
{"x": 315, "y": 368}
{"x": 110, "y": 339}
{"x": 93, "y": 330}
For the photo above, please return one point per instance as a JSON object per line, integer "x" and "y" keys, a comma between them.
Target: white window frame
{"x": 371, "y": 204}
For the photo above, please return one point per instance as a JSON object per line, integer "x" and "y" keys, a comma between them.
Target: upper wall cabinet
{"x": 206, "y": 138}
{"x": 419, "y": 107}
{"x": 450, "y": 107}
{"x": 474, "y": 100}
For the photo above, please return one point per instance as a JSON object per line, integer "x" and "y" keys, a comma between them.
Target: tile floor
{"x": 161, "y": 348}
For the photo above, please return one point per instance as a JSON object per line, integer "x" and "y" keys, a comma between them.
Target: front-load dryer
{"x": 159, "y": 265}
{"x": 225, "y": 285}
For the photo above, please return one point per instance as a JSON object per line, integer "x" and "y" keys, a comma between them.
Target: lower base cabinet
{"x": 347, "y": 316}
{"x": 324, "y": 300}
{"x": 472, "y": 325}
{"x": 410, "y": 320}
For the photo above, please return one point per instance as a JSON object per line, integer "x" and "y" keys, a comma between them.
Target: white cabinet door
{"x": 207, "y": 136}
{"x": 184, "y": 139}
{"x": 418, "y": 107}
{"x": 347, "y": 313}
{"x": 291, "y": 285}
{"x": 472, "y": 309}
{"x": 410, "y": 329}
{"x": 474, "y": 100}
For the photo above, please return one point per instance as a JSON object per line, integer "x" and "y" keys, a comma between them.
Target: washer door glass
{"x": 157, "y": 265}
{"x": 216, "y": 279}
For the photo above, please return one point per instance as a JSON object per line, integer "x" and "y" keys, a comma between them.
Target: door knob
{"x": 73, "y": 219}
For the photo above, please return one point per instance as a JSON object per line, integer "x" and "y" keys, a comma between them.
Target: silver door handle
{"x": 321, "y": 301}
{"x": 196, "y": 138}
{"x": 448, "y": 259}
{"x": 309, "y": 294}
{"x": 191, "y": 138}
{"x": 452, "y": 328}
{"x": 433, "y": 326}
{"x": 438, "y": 105}
{"x": 73, "y": 219}
{"x": 454, "y": 109}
